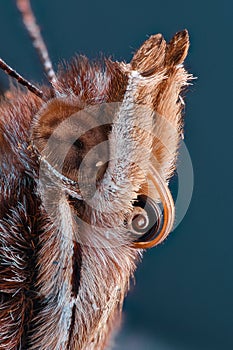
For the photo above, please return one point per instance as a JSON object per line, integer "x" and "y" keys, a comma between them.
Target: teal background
{"x": 183, "y": 297}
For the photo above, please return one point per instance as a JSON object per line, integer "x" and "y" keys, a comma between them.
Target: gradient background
{"x": 183, "y": 298}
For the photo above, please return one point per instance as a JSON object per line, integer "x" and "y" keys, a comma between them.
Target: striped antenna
{"x": 34, "y": 32}
{"x": 11, "y": 72}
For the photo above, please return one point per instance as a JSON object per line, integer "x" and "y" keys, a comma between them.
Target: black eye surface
{"x": 79, "y": 144}
{"x": 146, "y": 219}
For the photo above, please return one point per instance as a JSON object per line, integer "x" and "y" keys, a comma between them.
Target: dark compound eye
{"x": 145, "y": 220}
{"x": 79, "y": 144}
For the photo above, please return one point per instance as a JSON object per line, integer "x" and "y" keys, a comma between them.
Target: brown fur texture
{"x": 59, "y": 289}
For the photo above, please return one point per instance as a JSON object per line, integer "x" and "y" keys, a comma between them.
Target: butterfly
{"x": 85, "y": 165}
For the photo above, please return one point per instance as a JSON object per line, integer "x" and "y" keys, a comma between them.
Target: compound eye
{"x": 145, "y": 221}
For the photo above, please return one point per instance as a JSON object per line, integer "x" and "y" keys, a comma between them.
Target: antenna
{"x": 11, "y": 72}
{"x": 34, "y": 32}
